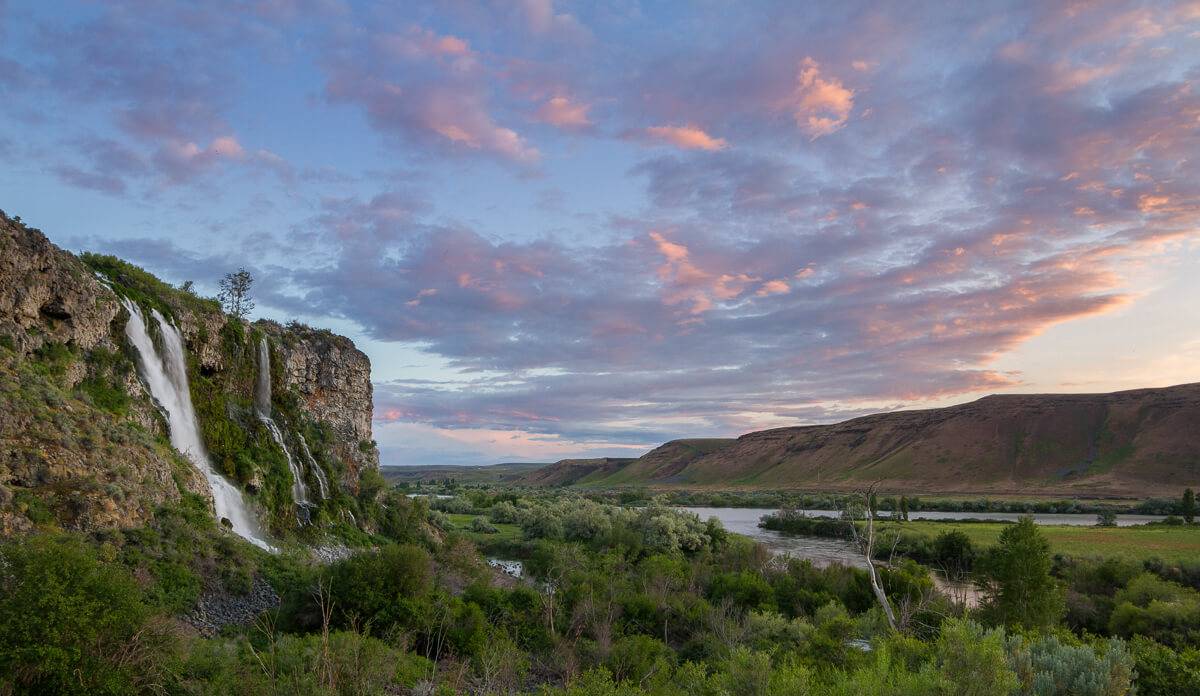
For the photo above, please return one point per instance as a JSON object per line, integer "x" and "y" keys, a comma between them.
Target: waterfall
{"x": 322, "y": 482}
{"x": 166, "y": 378}
{"x": 262, "y": 404}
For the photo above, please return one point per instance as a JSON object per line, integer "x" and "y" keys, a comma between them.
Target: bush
{"x": 482, "y": 526}
{"x": 73, "y": 625}
{"x": 1049, "y": 667}
{"x": 346, "y": 664}
{"x": 954, "y": 553}
{"x": 1162, "y": 671}
{"x": 504, "y": 512}
{"x": 745, "y": 589}
{"x": 634, "y": 658}
{"x": 376, "y": 590}
{"x": 974, "y": 660}
{"x": 1152, "y": 607}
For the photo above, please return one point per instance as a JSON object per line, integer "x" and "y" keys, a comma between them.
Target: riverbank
{"x": 916, "y": 537}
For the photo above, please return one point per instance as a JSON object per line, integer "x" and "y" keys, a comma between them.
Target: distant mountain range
{"x": 1136, "y": 443}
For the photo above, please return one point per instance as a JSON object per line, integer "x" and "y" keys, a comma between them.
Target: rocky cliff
{"x": 333, "y": 379}
{"x": 1137, "y": 443}
{"x": 84, "y": 446}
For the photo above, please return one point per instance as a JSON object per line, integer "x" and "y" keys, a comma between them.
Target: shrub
{"x": 974, "y": 660}
{"x": 344, "y": 664}
{"x": 482, "y": 526}
{"x": 954, "y": 553}
{"x": 1049, "y": 667}
{"x": 504, "y": 512}
{"x": 376, "y": 590}
{"x": 744, "y": 589}
{"x": 1162, "y": 671}
{"x": 1152, "y": 607}
{"x": 73, "y": 625}
{"x": 634, "y": 658}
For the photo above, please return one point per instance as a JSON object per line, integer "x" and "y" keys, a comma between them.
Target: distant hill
{"x": 1131, "y": 443}
{"x": 570, "y": 472}
{"x": 490, "y": 473}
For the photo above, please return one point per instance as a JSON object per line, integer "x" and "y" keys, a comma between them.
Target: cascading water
{"x": 322, "y": 482}
{"x": 165, "y": 376}
{"x": 262, "y": 404}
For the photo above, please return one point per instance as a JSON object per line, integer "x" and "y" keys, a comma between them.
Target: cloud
{"x": 773, "y": 287}
{"x": 821, "y": 105}
{"x": 564, "y": 113}
{"x": 687, "y": 137}
{"x": 542, "y": 18}
{"x": 183, "y": 160}
{"x": 426, "y": 88}
{"x": 893, "y": 219}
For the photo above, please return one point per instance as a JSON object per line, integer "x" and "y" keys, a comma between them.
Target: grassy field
{"x": 1135, "y": 543}
{"x": 505, "y": 533}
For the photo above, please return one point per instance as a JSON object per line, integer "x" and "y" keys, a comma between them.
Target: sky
{"x": 567, "y": 229}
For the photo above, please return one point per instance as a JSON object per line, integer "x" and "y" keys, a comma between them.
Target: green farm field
{"x": 1134, "y": 543}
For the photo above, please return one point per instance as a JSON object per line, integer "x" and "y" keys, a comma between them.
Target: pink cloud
{"x": 422, "y": 43}
{"x": 730, "y": 286}
{"x": 688, "y": 137}
{"x": 564, "y": 113}
{"x": 773, "y": 287}
{"x": 820, "y": 105}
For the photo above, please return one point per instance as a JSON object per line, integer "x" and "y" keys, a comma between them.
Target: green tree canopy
{"x": 1022, "y": 592}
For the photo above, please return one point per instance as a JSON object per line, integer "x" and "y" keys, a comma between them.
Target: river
{"x": 823, "y": 551}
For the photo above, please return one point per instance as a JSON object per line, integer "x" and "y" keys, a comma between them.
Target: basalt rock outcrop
{"x": 82, "y": 443}
{"x": 333, "y": 380}
{"x": 48, "y": 296}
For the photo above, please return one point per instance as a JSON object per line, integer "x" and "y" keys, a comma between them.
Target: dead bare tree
{"x": 865, "y": 540}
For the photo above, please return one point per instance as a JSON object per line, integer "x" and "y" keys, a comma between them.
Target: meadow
{"x": 1140, "y": 543}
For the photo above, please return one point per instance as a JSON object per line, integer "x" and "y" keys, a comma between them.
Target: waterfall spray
{"x": 165, "y": 375}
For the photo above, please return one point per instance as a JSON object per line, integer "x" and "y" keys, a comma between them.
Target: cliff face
{"x": 333, "y": 380}
{"x": 82, "y": 444}
{"x": 1137, "y": 443}
{"x": 47, "y": 295}
{"x": 79, "y": 441}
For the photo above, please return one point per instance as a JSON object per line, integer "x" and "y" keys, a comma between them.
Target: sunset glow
{"x": 571, "y": 228}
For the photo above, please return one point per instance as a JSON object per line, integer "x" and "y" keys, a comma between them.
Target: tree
{"x": 1022, "y": 592}
{"x": 1187, "y": 506}
{"x": 865, "y": 540}
{"x": 955, "y": 554}
{"x": 235, "y": 293}
{"x": 904, "y": 508}
{"x": 1108, "y": 518}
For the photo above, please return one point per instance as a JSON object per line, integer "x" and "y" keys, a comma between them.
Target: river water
{"x": 824, "y": 551}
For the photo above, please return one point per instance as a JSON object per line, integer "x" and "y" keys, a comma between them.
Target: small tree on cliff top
{"x": 235, "y": 293}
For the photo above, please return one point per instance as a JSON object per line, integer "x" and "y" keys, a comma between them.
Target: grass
{"x": 507, "y": 533}
{"x": 1133, "y": 543}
